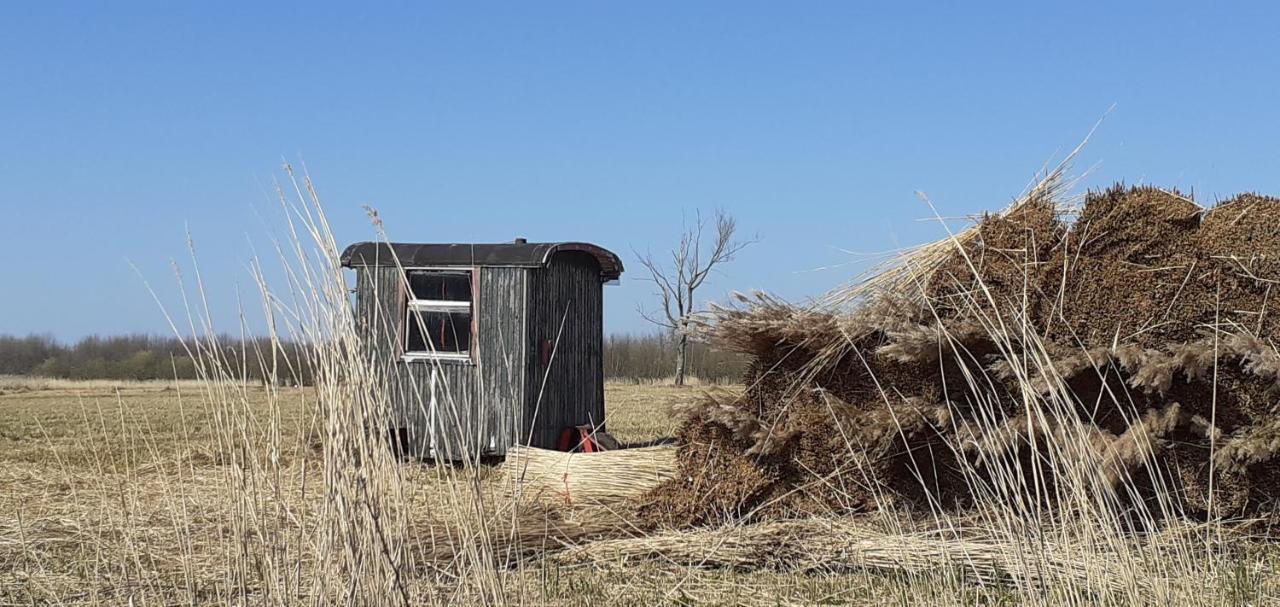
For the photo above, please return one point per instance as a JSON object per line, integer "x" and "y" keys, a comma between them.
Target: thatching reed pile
{"x": 1125, "y": 358}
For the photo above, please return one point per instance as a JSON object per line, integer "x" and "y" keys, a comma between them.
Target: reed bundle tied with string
{"x": 606, "y": 477}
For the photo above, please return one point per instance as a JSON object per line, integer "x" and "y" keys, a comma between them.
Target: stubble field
{"x": 118, "y": 493}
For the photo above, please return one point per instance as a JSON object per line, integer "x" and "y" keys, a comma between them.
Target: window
{"x": 438, "y": 315}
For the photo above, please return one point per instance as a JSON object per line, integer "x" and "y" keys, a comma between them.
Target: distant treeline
{"x": 652, "y": 357}
{"x": 135, "y": 357}
{"x": 141, "y": 357}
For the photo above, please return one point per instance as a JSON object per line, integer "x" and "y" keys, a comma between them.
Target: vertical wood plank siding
{"x": 489, "y": 404}
{"x": 448, "y": 405}
{"x": 501, "y": 346}
{"x": 570, "y": 390}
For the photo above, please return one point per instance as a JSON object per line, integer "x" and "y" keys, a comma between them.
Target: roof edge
{"x": 523, "y": 254}
{"x": 610, "y": 264}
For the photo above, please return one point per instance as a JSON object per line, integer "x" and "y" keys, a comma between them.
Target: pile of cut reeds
{"x": 841, "y": 544}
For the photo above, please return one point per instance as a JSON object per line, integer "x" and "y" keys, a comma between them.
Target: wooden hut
{"x": 486, "y": 345}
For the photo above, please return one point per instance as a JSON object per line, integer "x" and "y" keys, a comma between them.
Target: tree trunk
{"x": 681, "y": 349}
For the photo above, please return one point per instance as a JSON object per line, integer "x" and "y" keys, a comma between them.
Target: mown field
{"x": 74, "y": 425}
{"x": 117, "y": 493}
{"x": 114, "y": 494}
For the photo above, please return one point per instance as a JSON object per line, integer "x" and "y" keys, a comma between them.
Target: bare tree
{"x": 688, "y": 268}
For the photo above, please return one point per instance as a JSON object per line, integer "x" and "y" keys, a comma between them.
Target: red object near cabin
{"x": 586, "y": 442}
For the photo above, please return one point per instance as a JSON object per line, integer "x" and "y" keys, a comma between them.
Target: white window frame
{"x": 437, "y": 305}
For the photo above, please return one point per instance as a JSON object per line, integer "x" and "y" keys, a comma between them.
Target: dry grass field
{"x": 114, "y": 493}
{"x": 63, "y": 424}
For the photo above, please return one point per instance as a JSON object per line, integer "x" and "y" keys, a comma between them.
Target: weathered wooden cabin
{"x": 487, "y": 345}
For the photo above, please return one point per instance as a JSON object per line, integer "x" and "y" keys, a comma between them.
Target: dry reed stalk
{"x": 338, "y": 538}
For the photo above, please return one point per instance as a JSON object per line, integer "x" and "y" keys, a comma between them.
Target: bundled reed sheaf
{"x": 576, "y": 479}
{"x": 1128, "y": 353}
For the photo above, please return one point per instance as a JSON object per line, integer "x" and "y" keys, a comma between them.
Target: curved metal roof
{"x": 518, "y": 254}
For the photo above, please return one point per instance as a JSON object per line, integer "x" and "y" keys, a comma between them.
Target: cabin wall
{"x": 565, "y": 310}
{"x": 501, "y": 346}
{"x": 441, "y": 404}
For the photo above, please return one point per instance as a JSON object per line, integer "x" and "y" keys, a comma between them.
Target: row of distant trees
{"x": 651, "y": 357}
{"x": 121, "y": 357}
{"x": 667, "y": 353}
{"x": 136, "y": 357}
{"x": 640, "y": 358}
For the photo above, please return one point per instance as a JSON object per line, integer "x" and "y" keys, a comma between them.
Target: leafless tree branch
{"x": 689, "y": 267}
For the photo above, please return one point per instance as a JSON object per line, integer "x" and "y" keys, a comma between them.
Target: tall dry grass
{"x": 328, "y": 514}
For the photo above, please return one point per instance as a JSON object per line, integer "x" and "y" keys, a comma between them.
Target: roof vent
{"x": 519, "y": 240}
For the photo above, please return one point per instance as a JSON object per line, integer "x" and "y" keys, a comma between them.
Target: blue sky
{"x": 814, "y": 123}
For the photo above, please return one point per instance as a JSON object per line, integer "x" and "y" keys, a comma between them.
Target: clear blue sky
{"x": 814, "y": 123}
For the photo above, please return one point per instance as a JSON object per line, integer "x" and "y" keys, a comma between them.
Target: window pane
{"x": 439, "y": 332}
{"x": 446, "y": 286}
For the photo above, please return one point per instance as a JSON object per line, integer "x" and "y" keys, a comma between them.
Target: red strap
{"x": 586, "y": 442}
